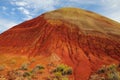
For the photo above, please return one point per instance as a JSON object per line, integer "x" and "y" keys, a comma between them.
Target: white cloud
{"x": 28, "y": 8}
{"x": 6, "y": 24}
{"x": 32, "y": 7}
{"x": 85, "y": 1}
{"x": 42, "y": 4}
{"x": 21, "y": 3}
{"x": 4, "y": 8}
{"x": 18, "y": 3}
{"x": 24, "y": 11}
{"x": 115, "y": 16}
{"x": 36, "y": 4}
{"x": 13, "y": 9}
{"x": 28, "y": 17}
{"x": 109, "y": 8}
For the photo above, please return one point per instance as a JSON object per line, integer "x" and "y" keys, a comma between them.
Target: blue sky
{"x": 13, "y": 12}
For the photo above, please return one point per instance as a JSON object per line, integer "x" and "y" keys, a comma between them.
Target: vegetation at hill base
{"x": 38, "y": 72}
{"x": 109, "y": 72}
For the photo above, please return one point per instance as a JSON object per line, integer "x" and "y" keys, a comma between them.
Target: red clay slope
{"x": 81, "y": 39}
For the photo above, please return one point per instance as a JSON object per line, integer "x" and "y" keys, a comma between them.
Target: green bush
{"x": 113, "y": 73}
{"x": 26, "y": 74}
{"x": 24, "y": 66}
{"x": 61, "y": 71}
{"x": 37, "y": 68}
{"x": 102, "y": 70}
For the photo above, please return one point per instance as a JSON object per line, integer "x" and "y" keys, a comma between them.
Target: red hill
{"x": 81, "y": 39}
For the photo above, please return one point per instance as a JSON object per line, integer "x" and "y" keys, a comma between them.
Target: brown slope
{"x": 81, "y": 39}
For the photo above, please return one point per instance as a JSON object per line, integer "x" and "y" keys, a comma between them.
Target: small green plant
{"x": 113, "y": 73}
{"x": 67, "y": 71}
{"x": 102, "y": 70}
{"x": 62, "y": 71}
{"x": 24, "y": 66}
{"x": 37, "y": 68}
{"x": 26, "y": 74}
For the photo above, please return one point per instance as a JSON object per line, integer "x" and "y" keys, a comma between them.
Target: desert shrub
{"x": 67, "y": 71}
{"x": 112, "y": 67}
{"x": 62, "y": 72}
{"x": 102, "y": 70}
{"x": 37, "y": 68}
{"x": 15, "y": 75}
{"x": 110, "y": 72}
{"x": 24, "y": 66}
{"x": 63, "y": 69}
{"x": 58, "y": 75}
{"x": 26, "y": 74}
{"x": 11, "y": 75}
{"x": 96, "y": 77}
{"x": 113, "y": 73}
